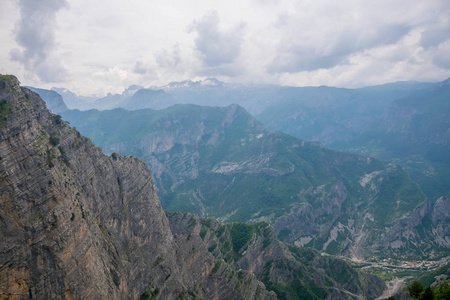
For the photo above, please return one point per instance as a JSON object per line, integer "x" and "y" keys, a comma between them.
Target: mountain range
{"x": 77, "y": 224}
{"x": 410, "y": 129}
{"x": 255, "y": 98}
{"x": 379, "y": 121}
{"x": 344, "y": 119}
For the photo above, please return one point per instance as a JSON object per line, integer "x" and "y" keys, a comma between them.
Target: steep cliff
{"x": 76, "y": 224}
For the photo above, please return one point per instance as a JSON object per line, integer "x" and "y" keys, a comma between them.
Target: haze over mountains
{"x": 253, "y": 97}
{"x": 243, "y": 150}
{"x": 406, "y": 124}
{"x": 222, "y": 162}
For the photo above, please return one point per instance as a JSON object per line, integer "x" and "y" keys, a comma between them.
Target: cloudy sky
{"x": 95, "y": 47}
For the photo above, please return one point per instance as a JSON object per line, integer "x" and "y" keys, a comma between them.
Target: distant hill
{"x": 411, "y": 130}
{"x": 255, "y": 98}
{"x": 73, "y": 101}
{"x": 148, "y": 98}
{"x": 135, "y": 97}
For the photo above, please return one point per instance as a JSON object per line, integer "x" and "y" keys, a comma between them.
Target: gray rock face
{"x": 440, "y": 217}
{"x": 76, "y": 224}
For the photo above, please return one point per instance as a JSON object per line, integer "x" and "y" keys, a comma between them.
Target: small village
{"x": 389, "y": 268}
{"x": 420, "y": 265}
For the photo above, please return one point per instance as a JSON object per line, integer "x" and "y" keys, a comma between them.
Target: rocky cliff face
{"x": 76, "y": 224}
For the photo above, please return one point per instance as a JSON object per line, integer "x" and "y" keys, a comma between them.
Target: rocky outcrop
{"x": 76, "y": 224}
{"x": 440, "y": 217}
{"x": 292, "y": 272}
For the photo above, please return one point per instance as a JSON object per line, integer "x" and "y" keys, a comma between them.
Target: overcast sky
{"x": 95, "y": 47}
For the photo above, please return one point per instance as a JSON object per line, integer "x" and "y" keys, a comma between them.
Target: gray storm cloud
{"x": 139, "y": 67}
{"x": 217, "y": 47}
{"x": 169, "y": 59}
{"x": 298, "y": 55}
{"x": 34, "y": 32}
{"x": 346, "y": 43}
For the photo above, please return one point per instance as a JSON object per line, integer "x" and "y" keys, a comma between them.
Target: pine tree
{"x": 415, "y": 289}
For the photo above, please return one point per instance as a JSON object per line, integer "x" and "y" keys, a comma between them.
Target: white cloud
{"x": 90, "y": 45}
{"x": 440, "y": 55}
{"x": 404, "y": 60}
{"x": 216, "y": 46}
{"x": 34, "y": 33}
{"x": 169, "y": 59}
{"x": 111, "y": 80}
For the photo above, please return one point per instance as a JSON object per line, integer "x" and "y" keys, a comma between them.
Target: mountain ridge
{"x": 408, "y": 129}
{"x": 253, "y": 97}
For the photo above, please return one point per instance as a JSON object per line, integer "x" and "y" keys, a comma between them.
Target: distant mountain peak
{"x": 131, "y": 90}
{"x": 62, "y": 90}
{"x": 180, "y": 84}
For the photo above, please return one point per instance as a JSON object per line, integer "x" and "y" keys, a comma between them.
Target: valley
{"x": 222, "y": 162}
{"x": 388, "y": 268}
